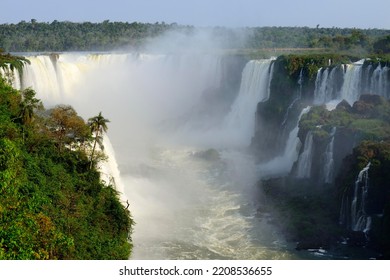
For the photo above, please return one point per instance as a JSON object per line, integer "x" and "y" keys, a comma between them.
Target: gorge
{"x": 204, "y": 145}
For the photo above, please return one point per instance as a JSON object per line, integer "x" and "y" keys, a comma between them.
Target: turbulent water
{"x": 189, "y": 207}
{"x": 189, "y": 182}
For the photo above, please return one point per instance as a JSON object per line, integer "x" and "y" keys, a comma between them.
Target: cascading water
{"x": 379, "y": 82}
{"x": 328, "y": 161}
{"x": 109, "y": 170}
{"x": 356, "y": 80}
{"x": 353, "y": 208}
{"x": 320, "y": 92}
{"x": 188, "y": 201}
{"x": 300, "y": 82}
{"x": 286, "y": 115}
{"x": 255, "y": 84}
{"x": 326, "y": 85}
{"x": 11, "y": 77}
{"x": 281, "y": 165}
{"x": 305, "y": 158}
{"x": 360, "y": 221}
{"x": 351, "y": 89}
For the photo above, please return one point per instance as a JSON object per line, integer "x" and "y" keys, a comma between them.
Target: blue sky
{"x": 230, "y": 13}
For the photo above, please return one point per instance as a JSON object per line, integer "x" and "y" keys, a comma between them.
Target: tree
{"x": 382, "y": 46}
{"x": 66, "y": 126}
{"x": 28, "y": 104}
{"x": 9, "y": 63}
{"x": 98, "y": 125}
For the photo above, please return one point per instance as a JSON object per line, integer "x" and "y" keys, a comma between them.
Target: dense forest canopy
{"x": 86, "y": 36}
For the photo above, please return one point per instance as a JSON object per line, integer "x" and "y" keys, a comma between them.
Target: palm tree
{"x": 28, "y": 105}
{"x": 98, "y": 125}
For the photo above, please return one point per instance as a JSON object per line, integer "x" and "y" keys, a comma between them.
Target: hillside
{"x": 53, "y": 204}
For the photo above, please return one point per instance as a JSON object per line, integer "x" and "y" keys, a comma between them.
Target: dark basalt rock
{"x": 356, "y": 239}
{"x": 344, "y": 105}
{"x": 372, "y": 99}
{"x": 313, "y": 243}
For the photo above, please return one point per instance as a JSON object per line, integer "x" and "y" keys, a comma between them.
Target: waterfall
{"x": 326, "y": 85}
{"x": 285, "y": 118}
{"x": 109, "y": 170}
{"x": 300, "y": 82}
{"x": 42, "y": 75}
{"x": 379, "y": 82}
{"x": 354, "y": 81}
{"x": 333, "y": 85}
{"x": 360, "y": 221}
{"x": 255, "y": 88}
{"x": 320, "y": 91}
{"x": 11, "y": 77}
{"x": 305, "y": 158}
{"x": 281, "y": 165}
{"x": 58, "y": 79}
{"x": 328, "y": 161}
{"x": 353, "y": 213}
{"x": 351, "y": 88}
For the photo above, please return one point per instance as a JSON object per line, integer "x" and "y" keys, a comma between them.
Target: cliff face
{"x": 364, "y": 191}
{"x": 270, "y": 114}
{"x": 333, "y": 151}
{"x": 292, "y": 88}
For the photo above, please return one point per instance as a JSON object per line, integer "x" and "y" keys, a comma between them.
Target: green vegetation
{"x": 53, "y": 204}
{"x": 311, "y": 63}
{"x": 368, "y": 119}
{"x": 9, "y": 63}
{"x": 382, "y": 45}
{"x": 68, "y": 36}
{"x": 98, "y": 125}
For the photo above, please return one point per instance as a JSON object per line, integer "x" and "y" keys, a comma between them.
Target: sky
{"x": 230, "y": 13}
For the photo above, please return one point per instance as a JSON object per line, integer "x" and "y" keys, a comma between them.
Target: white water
{"x": 355, "y": 82}
{"x": 185, "y": 206}
{"x": 305, "y": 158}
{"x": 286, "y": 115}
{"x": 109, "y": 170}
{"x": 328, "y": 162}
{"x": 281, "y": 165}
{"x": 350, "y": 90}
{"x": 379, "y": 82}
{"x": 321, "y": 87}
{"x": 359, "y": 219}
{"x": 254, "y": 88}
{"x": 11, "y": 77}
{"x": 326, "y": 86}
